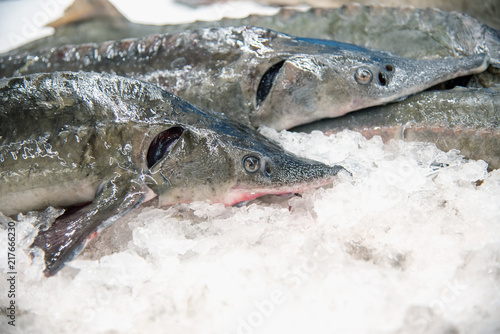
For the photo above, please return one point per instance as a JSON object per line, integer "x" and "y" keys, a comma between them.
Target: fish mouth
{"x": 241, "y": 194}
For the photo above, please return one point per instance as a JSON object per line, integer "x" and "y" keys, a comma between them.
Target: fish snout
{"x": 418, "y": 75}
{"x": 279, "y": 175}
{"x": 301, "y": 173}
{"x": 398, "y": 77}
{"x": 473, "y": 64}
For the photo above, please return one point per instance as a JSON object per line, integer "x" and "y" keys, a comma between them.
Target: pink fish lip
{"x": 240, "y": 193}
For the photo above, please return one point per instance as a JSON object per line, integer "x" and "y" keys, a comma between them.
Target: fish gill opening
{"x": 266, "y": 82}
{"x": 162, "y": 143}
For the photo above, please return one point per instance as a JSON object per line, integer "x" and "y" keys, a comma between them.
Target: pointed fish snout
{"x": 412, "y": 75}
{"x": 435, "y": 71}
{"x": 301, "y": 174}
{"x": 403, "y": 77}
{"x": 319, "y": 172}
{"x": 455, "y": 67}
{"x": 482, "y": 60}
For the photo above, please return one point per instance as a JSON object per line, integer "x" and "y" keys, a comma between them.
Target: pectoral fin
{"x": 67, "y": 236}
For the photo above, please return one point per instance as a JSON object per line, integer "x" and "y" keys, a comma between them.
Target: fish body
{"x": 253, "y": 75}
{"x": 470, "y": 123}
{"x": 406, "y": 31}
{"x": 100, "y": 145}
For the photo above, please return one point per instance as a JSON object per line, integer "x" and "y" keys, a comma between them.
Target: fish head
{"x": 309, "y": 79}
{"x": 266, "y": 168}
{"x": 227, "y": 164}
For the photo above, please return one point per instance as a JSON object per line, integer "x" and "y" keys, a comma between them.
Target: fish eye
{"x": 251, "y": 163}
{"x": 363, "y": 76}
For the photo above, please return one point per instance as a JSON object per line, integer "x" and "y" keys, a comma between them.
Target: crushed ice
{"x": 409, "y": 244}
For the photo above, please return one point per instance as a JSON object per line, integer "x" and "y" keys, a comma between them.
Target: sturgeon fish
{"x": 255, "y": 76}
{"x": 470, "y": 123}
{"x": 405, "y": 31}
{"x": 100, "y": 145}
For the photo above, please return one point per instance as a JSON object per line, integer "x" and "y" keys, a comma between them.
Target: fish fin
{"x": 83, "y": 10}
{"x": 67, "y": 236}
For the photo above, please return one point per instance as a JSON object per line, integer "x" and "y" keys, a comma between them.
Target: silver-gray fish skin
{"x": 71, "y": 139}
{"x": 406, "y": 31}
{"x": 253, "y": 75}
{"x": 469, "y": 123}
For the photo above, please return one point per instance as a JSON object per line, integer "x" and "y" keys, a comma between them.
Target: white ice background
{"x": 402, "y": 246}
{"x": 409, "y": 244}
